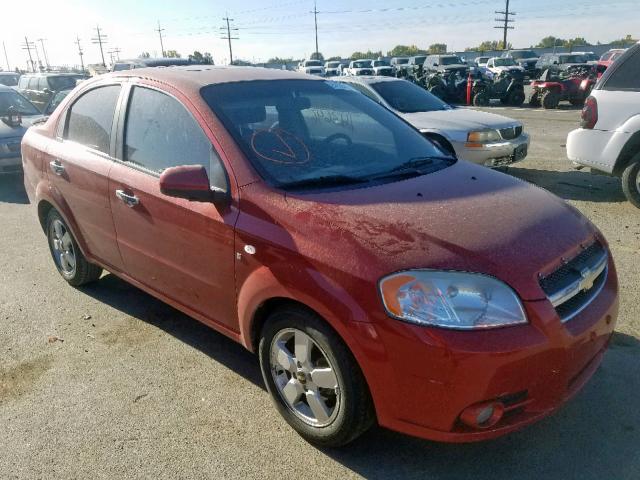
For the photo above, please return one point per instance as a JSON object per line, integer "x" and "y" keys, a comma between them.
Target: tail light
{"x": 589, "y": 114}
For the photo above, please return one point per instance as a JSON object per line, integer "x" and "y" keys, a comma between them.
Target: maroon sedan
{"x": 377, "y": 278}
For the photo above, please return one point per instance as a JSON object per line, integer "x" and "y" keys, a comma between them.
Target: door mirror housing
{"x": 192, "y": 183}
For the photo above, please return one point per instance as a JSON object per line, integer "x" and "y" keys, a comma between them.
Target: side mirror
{"x": 191, "y": 182}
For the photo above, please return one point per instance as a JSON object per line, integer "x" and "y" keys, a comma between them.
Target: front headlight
{"x": 483, "y": 136}
{"x": 451, "y": 300}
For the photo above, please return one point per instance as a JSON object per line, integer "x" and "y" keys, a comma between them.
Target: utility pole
{"x": 228, "y": 36}
{"x": 80, "y": 52}
{"x": 504, "y": 23}
{"x": 44, "y": 52}
{"x": 6, "y": 57}
{"x": 160, "y": 30}
{"x": 27, "y": 45}
{"x": 315, "y": 19}
{"x": 100, "y": 39}
{"x": 114, "y": 54}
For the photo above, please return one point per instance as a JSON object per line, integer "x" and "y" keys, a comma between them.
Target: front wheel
{"x": 631, "y": 181}
{"x": 534, "y": 101}
{"x": 66, "y": 254}
{"x": 314, "y": 381}
{"x": 481, "y": 99}
{"x": 550, "y": 100}
{"x": 516, "y": 97}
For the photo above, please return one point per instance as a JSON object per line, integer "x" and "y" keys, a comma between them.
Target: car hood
{"x": 464, "y": 217}
{"x": 507, "y": 69}
{"x": 457, "y": 120}
{"x": 8, "y": 131}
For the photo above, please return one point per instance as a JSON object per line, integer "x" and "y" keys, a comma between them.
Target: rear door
{"x": 78, "y": 166}
{"x": 182, "y": 249}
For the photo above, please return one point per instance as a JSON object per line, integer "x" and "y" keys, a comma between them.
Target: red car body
{"x": 609, "y": 57}
{"x": 329, "y": 250}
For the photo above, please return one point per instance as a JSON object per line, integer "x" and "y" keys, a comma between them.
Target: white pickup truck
{"x": 311, "y": 67}
{"x": 608, "y": 139}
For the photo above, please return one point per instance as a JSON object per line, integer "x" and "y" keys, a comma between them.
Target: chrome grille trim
{"x": 510, "y": 133}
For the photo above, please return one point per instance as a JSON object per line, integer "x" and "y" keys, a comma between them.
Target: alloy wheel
{"x": 62, "y": 248}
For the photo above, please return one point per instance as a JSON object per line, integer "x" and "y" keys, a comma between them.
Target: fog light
{"x": 482, "y": 415}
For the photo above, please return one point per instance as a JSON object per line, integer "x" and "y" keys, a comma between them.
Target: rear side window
{"x": 42, "y": 83}
{"x": 91, "y": 118}
{"x": 33, "y": 83}
{"x": 161, "y": 133}
{"x": 625, "y": 74}
{"x": 23, "y": 82}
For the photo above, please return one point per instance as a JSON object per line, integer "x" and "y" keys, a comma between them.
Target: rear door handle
{"x": 129, "y": 200}
{"x": 56, "y": 167}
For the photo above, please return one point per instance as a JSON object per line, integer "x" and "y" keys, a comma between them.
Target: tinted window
{"x": 326, "y": 134}
{"x": 42, "y": 83}
{"x": 18, "y": 102}
{"x": 91, "y": 117}
{"x": 9, "y": 80}
{"x": 160, "y": 133}
{"x": 625, "y": 74}
{"x": 63, "y": 83}
{"x": 364, "y": 90}
{"x": 23, "y": 82}
{"x": 407, "y": 97}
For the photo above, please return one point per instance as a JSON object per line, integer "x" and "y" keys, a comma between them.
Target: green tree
{"x": 172, "y": 54}
{"x": 144, "y": 55}
{"x": 550, "y": 42}
{"x": 437, "y": 48}
{"x": 281, "y": 60}
{"x": 406, "y": 51}
{"x": 332, "y": 59}
{"x": 488, "y": 45}
{"x": 624, "y": 42}
{"x": 317, "y": 56}
{"x": 198, "y": 57}
{"x": 368, "y": 54}
{"x": 207, "y": 58}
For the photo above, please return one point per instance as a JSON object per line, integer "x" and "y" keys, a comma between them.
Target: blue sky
{"x": 268, "y": 28}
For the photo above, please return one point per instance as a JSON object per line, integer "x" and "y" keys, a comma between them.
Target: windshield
{"x": 9, "y": 80}
{"x": 401, "y": 61}
{"x": 523, "y": 54}
{"x": 333, "y": 64}
{"x": 296, "y": 131}
{"x": 407, "y": 97}
{"x": 419, "y": 60}
{"x": 482, "y": 60}
{"x": 63, "y": 83}
{"x": 572, "y": 59}
{"x": 20, "y": 104}
{"x": 380, "y": 63}
{"x": 450, "y": 60}
{"x": 362, "y": 64}
{"x": 504, "y": 62}
{"x": 312, "y": 63}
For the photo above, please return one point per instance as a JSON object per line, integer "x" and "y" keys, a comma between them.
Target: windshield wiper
{"x": 413, "y": 167}
{"x": 323, "y": 181}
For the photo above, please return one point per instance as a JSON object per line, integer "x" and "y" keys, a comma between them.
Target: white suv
{"x": 609, "y": 137}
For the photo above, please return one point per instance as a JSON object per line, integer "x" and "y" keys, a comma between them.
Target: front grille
{"x": 511, "y": 132}
{"x": 576, "y": 283}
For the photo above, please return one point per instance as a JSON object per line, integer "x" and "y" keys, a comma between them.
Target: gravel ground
{"x": 107, "y": 382}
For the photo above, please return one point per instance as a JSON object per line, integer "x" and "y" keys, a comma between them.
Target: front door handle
{"x": 129, "y": 200}
{"x": 56, "y": 167}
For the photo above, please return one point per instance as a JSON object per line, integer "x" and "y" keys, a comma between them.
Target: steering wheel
{"x": 338, "y": 136}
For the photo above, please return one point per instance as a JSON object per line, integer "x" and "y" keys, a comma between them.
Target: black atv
{"x": 507, "y": 86}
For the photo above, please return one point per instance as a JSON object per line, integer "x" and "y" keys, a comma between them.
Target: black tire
{"x": 577, "y": 102}
{"x": 438, "y": 91}
{"x": 534, "y": 101}
{"x": 550, "y": 100}
{"x": 631, "y": 181}
{"x": 480, "y": 99}
{"x": 516, "y": 97}
{"x": 83, "y": 271}
{"x": 355, "y": 412}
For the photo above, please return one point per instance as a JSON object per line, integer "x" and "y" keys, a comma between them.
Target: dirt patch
{"x": 16, "y": 381}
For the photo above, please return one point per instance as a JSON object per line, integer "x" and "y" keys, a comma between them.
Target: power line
{"x": 100, "y": 39}
{"x": 27, "y": 45}
{"x": 228, "y": 36}
{"x": 505, "y": 21}
{"x": 80, "y": 52}
{"x": 160, "y": 30}
{"x": 44, "y": 52}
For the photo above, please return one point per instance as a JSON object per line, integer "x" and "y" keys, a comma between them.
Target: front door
{"x": 182, "y": 249}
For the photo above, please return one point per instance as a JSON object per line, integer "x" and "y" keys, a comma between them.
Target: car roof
{"x": 53, "y": 74}
{"x": 194, "y": 77}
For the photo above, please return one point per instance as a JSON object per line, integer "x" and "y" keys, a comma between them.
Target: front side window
{"x": 20, "y": 104}
{"x": 160, "y": 133}
{"x": 33, "y": 83}
{"x": 90, "y": 118}
{"x": 9, "y": 80}
{"x": 325, "y": 133}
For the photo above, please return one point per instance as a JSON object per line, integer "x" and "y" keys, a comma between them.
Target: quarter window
{"x": 161, "y": 133}
{"x": 625, "y": 73}
{"x": 91, "y": 118}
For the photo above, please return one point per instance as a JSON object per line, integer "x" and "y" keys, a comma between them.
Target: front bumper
{"x": 435, "y": 374}
{"x": 498, "y": 154}
{"x": 10, "y": 165}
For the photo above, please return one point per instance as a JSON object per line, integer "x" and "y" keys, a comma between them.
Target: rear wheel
{"x": 577, "y": 102}
{"x": 534, "y": 101}
{"x": 481, "y": 99}
{"x": 550, "y": 100}
{"x": 631, "y": 181}
{"x": 68, "y": 258}
{"x": 313, "y": 379}
{"x": 516, "y": 97}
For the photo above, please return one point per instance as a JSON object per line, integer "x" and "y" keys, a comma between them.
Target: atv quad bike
{"x": 507, "y": 86}
{"x": 572, "y": 85}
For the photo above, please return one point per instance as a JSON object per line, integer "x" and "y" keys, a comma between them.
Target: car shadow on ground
{"x": 573, "y": 185}
{"x": 128, "y": 299}
{"x": 596, "y": 435}
{"x": 12, "y": 189}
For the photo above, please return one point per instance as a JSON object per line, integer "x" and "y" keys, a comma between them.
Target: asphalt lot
{"x": 107, "y": 382}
